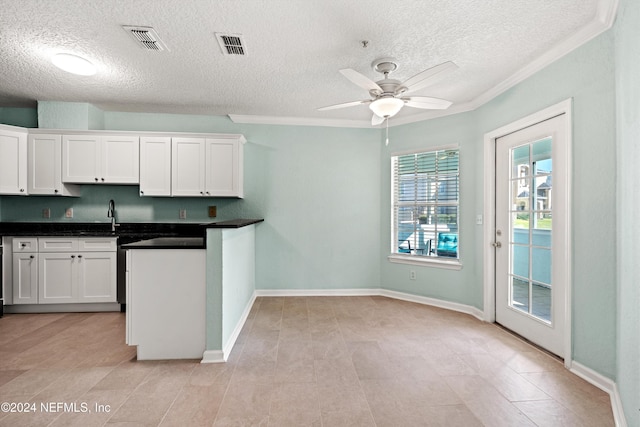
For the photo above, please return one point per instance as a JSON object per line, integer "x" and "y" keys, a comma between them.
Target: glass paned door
{"x": 530, "y": 229}
{"x": 531, "y": 232}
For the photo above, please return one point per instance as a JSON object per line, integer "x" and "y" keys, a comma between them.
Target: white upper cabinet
{"x": 155, "y": 166}
{"x": 207, "y": 167}
{"x": 13, "y": 161}
{"x": 121, "y": 159}
{"x": 96, "y": 159}
{"x": 187, "y": 166}
{"x": 45, "y": 167}
{"x": 224, "y": 168}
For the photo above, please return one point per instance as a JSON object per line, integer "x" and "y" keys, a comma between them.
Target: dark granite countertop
{"x": 168, "y": 243}
{"x": 126, "y": 232}
{"x": 233, "y": 223}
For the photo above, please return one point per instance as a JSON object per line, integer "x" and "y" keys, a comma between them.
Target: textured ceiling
{"x": 294, "y": 51}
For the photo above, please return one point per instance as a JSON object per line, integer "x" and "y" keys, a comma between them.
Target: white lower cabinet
{"x": 25, "y": 278}
{"x": 57, "y": 281}
{"x": 65, "y": 270}
{"x": 97, "y": 277}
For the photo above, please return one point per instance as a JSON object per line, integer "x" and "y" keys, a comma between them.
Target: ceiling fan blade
{"x": 429, "y": 76}
{"x": 427, "y": 103}
{"x": 376, "y": 120}
{"x": 343, "y": 105}
{"x": 361, "y": 80}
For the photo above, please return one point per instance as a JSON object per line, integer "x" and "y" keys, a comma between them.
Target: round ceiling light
{"x": 73, "y": 64}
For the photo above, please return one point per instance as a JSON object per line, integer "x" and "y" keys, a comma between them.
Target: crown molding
{"x": 603, "y": 20}
{"x": 299, "y": 121}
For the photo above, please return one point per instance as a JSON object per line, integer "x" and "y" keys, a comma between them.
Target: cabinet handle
{"x": 22, "y": 190}
{"x": 31, "y": 256}
{"x": 202, "y": 192}
{"x": 23, "y": 245}
{"x": 73, "y": 256}
{"x": 141, "y": 192}
{"x": 96, "y": 179}
{"x": 79, "y": 256}
{"x": 55, "y": 191}
{"x": 102, "y": 179}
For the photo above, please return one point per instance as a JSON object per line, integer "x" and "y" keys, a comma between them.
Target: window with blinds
{"x": 425, "y": 203}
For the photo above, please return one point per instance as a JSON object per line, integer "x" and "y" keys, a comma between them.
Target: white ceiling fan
{"x": 388, "y": 96}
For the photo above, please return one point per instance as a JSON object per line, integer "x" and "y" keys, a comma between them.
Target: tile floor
{"x": 316, "y": 361}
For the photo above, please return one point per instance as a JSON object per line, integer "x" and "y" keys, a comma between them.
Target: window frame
{"x": 412, "y": 259}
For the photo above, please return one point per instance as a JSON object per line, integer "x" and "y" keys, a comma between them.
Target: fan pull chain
{"x": 387, "y": 141}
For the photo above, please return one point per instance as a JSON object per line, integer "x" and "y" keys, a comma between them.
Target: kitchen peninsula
{"x": 205, "y": 270}
{"x": 187, "y": 298}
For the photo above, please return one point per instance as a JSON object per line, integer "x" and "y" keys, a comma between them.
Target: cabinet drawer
{"x": 97, "y": 244}
{"x": 58, "y": 244}
{"x": 25, "y": 244}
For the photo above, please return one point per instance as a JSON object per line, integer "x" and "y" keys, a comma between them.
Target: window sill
{"x": 425, "y": 261}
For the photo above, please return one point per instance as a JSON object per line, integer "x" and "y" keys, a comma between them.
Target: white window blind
{"x": 425, "y": 203}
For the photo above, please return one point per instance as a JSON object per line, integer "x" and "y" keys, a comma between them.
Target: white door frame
{"x": 489, "y": 228}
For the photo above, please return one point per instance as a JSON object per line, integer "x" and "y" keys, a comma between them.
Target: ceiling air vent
{"x": 146, "y": 37}
{"x": 231, "y": 44}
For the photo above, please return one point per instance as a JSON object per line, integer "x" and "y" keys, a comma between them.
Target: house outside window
{"x": 425, "y": 199}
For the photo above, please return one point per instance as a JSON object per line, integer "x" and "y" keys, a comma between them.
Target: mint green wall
{"x": 64, "y": 115}
{"x": 464, "y": 286}
{"x": 238, "y": 277}
{"x": 24, "y": 117}
{"x": 628, "y": 125}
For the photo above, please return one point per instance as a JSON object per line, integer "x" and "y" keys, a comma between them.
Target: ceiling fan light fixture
{"x": 386, "y": 107}
{"x": 73, "y": 64}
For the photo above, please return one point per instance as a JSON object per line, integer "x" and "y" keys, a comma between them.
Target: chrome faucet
{"x": 111, "y": 213}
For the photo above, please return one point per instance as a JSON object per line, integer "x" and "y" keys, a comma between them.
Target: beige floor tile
{"x": 295, "y": 404}
{"x": 355, "y": 418}
{"x": 316, "y": 361}
{"x": 549, "y": 413}
{"x": 195, "y": 406}
{"x": 486, "y": 403}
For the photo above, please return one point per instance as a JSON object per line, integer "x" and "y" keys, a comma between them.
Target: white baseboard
{"x": 316, "y": 292}
{"x": 226, "y": 349}
{"x": 213, "y": 356}
{"x": 462, "y": 308}
{"x": 605, "y": 384}
{"x": 221, "y": 356}
{"x": 453, "y": 306}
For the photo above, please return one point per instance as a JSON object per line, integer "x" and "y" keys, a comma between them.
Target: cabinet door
{"x": 120, "y": 160}
{"x": 45, "y": 167}
{"x": 57, "y": 278}
{"x": 155, "y": 166}
{"x": 187, "y": 166}
{"x": 81, "y": 159}
{"x": 223, "y": 169}
{"x": 96, "y": 277}
{"x": 13, "y": 162}
{"x": 25, "y": 278}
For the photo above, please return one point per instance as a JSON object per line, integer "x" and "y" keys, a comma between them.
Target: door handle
{"x": 497, "y": 244}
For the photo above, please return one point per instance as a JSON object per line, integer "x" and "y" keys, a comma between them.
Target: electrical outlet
{"x": 412, "y": 275}
{"x": 212, "y": 211}
{"x": 46, "y": 213}
{"x": 68, "y": 213}
{"x": 183, "y": 214}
